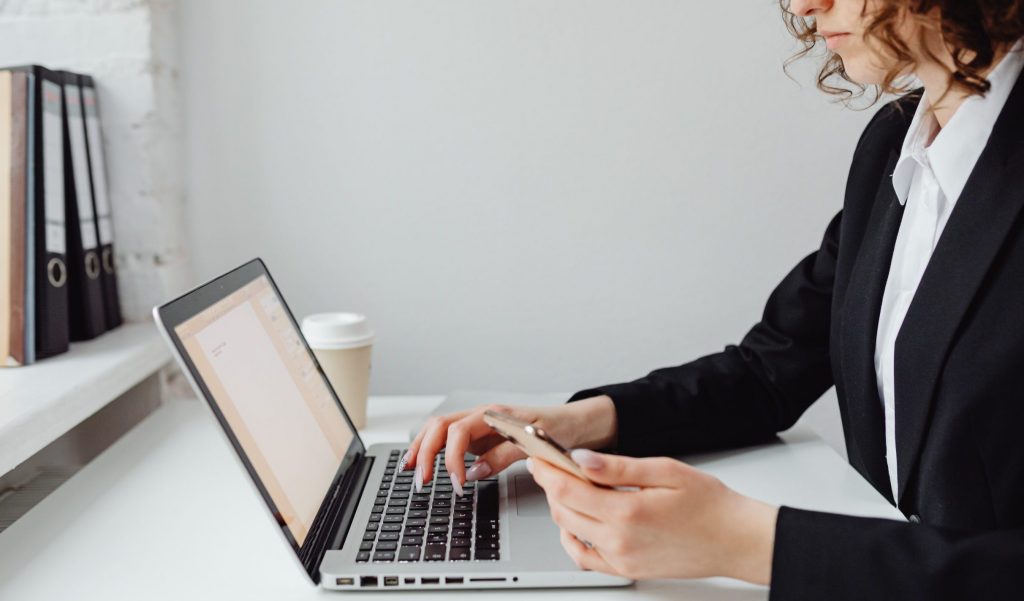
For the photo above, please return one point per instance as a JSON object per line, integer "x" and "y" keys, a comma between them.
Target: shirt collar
{"x": 956, "y": 148}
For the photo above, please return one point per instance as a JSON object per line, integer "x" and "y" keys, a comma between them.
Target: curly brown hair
{"x": 973, "y": 30}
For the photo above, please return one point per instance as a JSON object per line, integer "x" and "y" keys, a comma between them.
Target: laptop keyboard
{"x": 432, "y": 525}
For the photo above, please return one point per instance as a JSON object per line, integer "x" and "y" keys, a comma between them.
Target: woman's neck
{"x": 944, "y": 97}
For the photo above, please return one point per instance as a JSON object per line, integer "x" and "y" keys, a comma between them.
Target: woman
{"x": 912, "y": 308}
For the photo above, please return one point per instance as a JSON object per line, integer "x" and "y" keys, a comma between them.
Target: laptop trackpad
{"x": 530, "y": 499}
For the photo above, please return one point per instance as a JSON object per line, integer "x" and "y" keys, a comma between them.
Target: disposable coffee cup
{"x": 342, "y": 343}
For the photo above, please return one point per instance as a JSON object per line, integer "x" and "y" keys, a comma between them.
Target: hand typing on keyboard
{"x": 589, "y": 423}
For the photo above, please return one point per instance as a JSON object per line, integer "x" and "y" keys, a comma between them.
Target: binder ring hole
{"x": 92, "y": 265}
{"x": 56, "y": 272}
{"x": 108, "y": 260}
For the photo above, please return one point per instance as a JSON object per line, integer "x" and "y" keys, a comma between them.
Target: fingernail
{"x": 404, "y": 462}
{"x": 456, "y": 485}
{"x": 529, "y": 464}
{"x": 587, "y": 458}
{"x": 419, "y": 478}
{"x": 478, "y": 471}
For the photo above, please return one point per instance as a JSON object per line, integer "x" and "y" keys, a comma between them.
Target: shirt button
{"x": 915, "y": 519}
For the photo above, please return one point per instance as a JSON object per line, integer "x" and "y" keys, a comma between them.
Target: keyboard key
{"x": 462, "y": 524}
{"x": 439, "y": 519}
{"x": 390, "y": 556}
{"x": 418, "y": 504}
{"x": 442, "y": 495}
{"x": 442, "y": 503}
{"x": 440, "y": 511}
{"x": 396, "y": 510}
{"x": 487, "y": 554}
{"x": 409, "y": 554}
{"x": 400, "y": 495}
{"x": 366, "y": 546}
{"x": 370, "y": 536}
{"x": 417, "y": 513}
{"x": 459, "y": 554}
{"x": 416, "y": 522}
{"x": 412, "y": 541}
{"x": 413, "y": 531}
{"x": 391, "y": 528}
{"x": 438, "y": 528}
{"x": 488, "y": 544}
{"x": 399, "y": 502}
{"x": 460, "y": 542}
{"x": 363, "y": 556}
{"x": 460, "y": 532}
{"x": 434, "y": 553}
{"x": 387, "y": 546}
{"x": 394, "y": 519}
{"x": 388, "y": 536}
{"x": 486, "y": 536}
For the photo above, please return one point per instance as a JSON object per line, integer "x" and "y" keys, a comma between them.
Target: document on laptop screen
{"x": 252, "y": 360}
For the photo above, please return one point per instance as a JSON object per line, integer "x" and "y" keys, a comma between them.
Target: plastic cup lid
{"x": 337, "y": 330}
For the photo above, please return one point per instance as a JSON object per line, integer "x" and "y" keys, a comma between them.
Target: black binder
{"x": 86, "y": 318}
{"x": 46, "y": 213}
{"x": 101, "y": 202}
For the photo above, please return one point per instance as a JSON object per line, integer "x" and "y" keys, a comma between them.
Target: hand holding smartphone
{"x": 533, "y": 441}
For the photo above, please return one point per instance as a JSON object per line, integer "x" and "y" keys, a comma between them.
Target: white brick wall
{"x": 129, "y": 47}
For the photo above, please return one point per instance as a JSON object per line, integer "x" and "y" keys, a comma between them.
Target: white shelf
{"x": 41, "y": 402}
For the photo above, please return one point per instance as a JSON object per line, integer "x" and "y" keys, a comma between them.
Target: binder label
{"x": 99, "y": 168}
{"x": 80, "y": 166}
{"x": 53, "y": 168}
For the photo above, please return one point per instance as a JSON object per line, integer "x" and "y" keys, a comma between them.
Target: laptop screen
{"x": 248, "y": 355}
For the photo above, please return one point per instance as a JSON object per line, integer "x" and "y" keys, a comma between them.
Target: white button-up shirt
{"x": 929, "y": 176}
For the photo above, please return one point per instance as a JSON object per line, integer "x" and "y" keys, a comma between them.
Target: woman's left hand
{"x": 679, "y": 522}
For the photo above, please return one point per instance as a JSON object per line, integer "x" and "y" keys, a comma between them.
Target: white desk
{"x": 166, "y": 513}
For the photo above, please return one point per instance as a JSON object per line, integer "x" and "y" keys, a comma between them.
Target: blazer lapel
{"x": 985, "y": 213}
{"x": 859, "y": 327}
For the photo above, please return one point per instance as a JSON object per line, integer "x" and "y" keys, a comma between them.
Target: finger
{"x": 495, "y": 460}
{"x": 582, "y": 526}
{"x": 615, "y": 470}
{"x": 587, "y": 558}
{"x": 409, "y": 459}
{"x": 566, "y": 489}
{"x": 460, "y": 434}
{"x": 433, "y": 440}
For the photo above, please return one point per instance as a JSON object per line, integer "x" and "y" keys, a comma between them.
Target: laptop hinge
{"x": 350, "y": 501}
{"x": 343, "y": 506}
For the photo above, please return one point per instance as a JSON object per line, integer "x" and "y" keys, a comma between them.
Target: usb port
{"x": 430, "y": 580}
{"x": 345, "y": 581}
{"x": 391, "y": 581}
{"x": 367, "y": 581}
{"x": 453, "y": 580}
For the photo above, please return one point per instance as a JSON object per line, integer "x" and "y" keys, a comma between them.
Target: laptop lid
{"x": 245, "y": 354}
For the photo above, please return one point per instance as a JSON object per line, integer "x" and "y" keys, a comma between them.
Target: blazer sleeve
{"x": 838, "y": 557}
{"x": 748, "y": 392}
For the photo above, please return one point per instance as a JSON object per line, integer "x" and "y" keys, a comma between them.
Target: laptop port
{"x": 453, "y": 580}
{"x": 430, "y": 580}
{"x": 367, "y": 581}
{"x": 410, "y": 581}
{"x": 345, "y": 581}
{"x": 391, "y": 581}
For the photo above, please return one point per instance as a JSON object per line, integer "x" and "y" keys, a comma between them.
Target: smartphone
{"x": 533, "y": 441}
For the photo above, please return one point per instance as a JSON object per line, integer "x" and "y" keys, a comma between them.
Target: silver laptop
{"x": 351, "y": 518}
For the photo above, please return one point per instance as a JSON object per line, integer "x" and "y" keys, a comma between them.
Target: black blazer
{"x": 959, "y": 386}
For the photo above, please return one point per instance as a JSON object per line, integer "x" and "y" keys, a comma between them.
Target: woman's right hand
{"x": 588, "y": 423}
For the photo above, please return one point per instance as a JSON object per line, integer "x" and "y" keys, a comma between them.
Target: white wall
{"x": 527, "y": 195}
